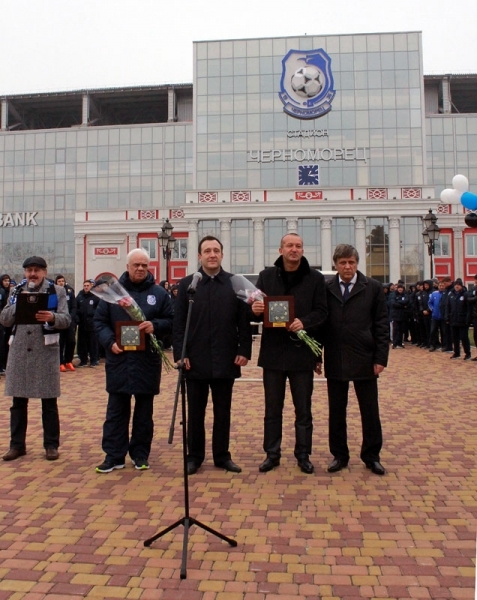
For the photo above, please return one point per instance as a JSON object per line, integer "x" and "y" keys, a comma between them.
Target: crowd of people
{"x": 434, "y": 315}
{"x": 354, "y": 317}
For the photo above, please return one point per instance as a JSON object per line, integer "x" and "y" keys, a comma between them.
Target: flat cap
{"x": 34, "y": 261}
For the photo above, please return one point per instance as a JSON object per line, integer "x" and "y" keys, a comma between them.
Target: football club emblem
{"x": 151, "y": 300}
{"x": 306, "y": 86}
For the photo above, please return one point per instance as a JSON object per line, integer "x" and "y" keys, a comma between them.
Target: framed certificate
{"x": 279, "y": 311}
{"x": 129, "y": 337}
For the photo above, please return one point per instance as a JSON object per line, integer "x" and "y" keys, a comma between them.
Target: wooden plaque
{"x": 129, "y": 337}
{"x": 279, "y": 311}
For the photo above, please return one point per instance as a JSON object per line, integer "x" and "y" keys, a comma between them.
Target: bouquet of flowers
{"x": 110, "y": 290}
{"x": 246, "y": 291}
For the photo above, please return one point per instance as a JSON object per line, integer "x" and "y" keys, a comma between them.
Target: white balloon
{"x": 449, "y": 196}
{"x": 461, "y": 183}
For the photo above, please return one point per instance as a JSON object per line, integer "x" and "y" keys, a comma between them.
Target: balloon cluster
{"x": 460, "y": 194}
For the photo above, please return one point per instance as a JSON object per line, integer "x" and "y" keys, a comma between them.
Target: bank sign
{"x": 18, "y": 219}
{"x": 306, "y": 86}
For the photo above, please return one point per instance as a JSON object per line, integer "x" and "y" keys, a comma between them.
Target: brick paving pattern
{"x": 67, "y": 532}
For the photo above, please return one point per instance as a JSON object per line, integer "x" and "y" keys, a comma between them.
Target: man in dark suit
{"x": 356, "y": 349}
{"x": 218, "y": 345}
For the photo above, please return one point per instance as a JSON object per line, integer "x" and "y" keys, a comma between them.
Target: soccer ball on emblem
{"x": 306, "y": 82}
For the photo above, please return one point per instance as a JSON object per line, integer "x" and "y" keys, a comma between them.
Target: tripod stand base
{"x": 187, "y": 522}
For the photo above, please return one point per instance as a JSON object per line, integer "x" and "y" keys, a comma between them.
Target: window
{"x": 274, "y": 230}
{"x": 470, "y": 245}
{"x": 180, "y": 249}
{"x": 241, "y": 246}
{"x": 342, "y": 231}
{"x": 150, "y": 246}
{"x": 443, "y": 245}
{"x": 377, "y": 249}
{"x": 310, "y": 232}
{"x": 210, "y": 227}
{"x": 412, "y": 258}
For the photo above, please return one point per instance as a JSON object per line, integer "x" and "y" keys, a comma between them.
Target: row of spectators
{"x": 433, "y": 314}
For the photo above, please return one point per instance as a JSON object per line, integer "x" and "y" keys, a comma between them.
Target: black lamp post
{"x": 430, "y": 235}
{"x": 167, "y": 242}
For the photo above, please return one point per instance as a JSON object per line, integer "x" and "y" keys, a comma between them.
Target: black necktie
{"x": 346, "y": 290}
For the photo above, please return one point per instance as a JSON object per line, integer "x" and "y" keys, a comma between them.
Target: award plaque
{"x": 129, "y": 336}
{"x": 279, "y": 311}
{"x": 28, "y": 304}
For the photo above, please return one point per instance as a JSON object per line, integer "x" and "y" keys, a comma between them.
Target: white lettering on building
{"x": 313, "y": 154}
{"x": 308, "y": 133}
{"x": 18, "y": 219}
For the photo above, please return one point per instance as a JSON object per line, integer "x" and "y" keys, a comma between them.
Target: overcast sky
{"x": 59, "y": 45}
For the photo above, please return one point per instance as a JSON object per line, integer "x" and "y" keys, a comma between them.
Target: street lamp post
{"x": 167, "y": 242}
{"x": 430, "y": 235}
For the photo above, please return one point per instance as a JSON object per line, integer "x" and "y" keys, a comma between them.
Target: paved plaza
{"x": 68, "y": 533}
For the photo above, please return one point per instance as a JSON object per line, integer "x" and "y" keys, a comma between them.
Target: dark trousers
{"x": 301, "y": 387}
{"x": 197, "y": 397}
{"x": 460, "y": 334}
{"x": 448, "y": 337}
{"x": 425, "y": 324}
{"x": 398, "y": 332}
{"x": 116, "y": 441}
{"x": 87, "y": 345}
{"x": 437, "y": 333}
{"x": 67, "y": 344}
{"x": 367, "y": 393}
{"x": 19, "y": 423}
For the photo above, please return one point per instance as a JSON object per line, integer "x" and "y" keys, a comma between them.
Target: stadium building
{"x": 340, "y": 138}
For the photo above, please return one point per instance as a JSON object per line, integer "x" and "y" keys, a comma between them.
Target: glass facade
{"x": 52, "y": 174}
{"x": 379, "y": 109}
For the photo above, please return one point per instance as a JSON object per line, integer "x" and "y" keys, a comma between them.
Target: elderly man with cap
{"x": 34, "y": 359}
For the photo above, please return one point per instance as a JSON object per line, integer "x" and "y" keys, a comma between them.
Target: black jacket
{"x": 86, "y": 304}
{"x": 472, "y": 300}
{"x": 70, "y": 297}
{"x": 399, "y": 307}
{"x": 280, "y": 349}
{"x": 138, "y": 371}
{"x": 459, "y": 313}
{"x": 219, "y": 328}
{"x": 357, "y": 331}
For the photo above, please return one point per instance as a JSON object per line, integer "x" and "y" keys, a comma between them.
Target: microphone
{"x": 31, "y": 286}
{"x": 195, "y": 280}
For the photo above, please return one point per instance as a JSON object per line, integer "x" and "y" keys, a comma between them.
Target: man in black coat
{"x": 132, "y": 372}
{"x": 86, "y": 304}
{"x": 459, "y": 315}
{"x": 283, "y": 356}
{"x": 356, "y": 349}
{"x": 218, "y": 344}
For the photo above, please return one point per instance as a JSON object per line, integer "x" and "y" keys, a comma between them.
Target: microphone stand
{"x": 186, "y": 520}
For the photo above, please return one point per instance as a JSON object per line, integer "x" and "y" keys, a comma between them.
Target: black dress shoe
{"x": 52, "y": 454}
{"x": 13, "y": 454}
{"x": 305, "y": 465}
{"x": 268, "y": 464}
{"x": 376, "y": 467}
{"x": 192, "y": 467}
{"x": 229, "y": 465}
{"x": 336, "y": 465}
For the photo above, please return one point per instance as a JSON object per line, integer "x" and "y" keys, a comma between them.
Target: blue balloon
{"x": 469, "y": 200}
